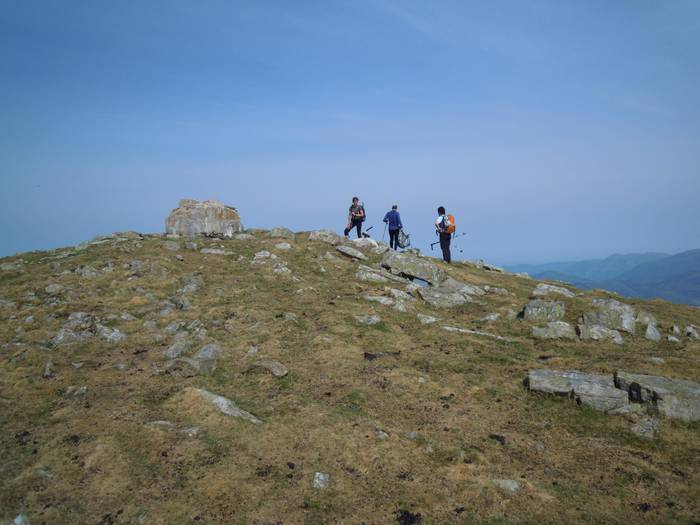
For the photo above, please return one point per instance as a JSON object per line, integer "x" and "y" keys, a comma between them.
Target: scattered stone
{"x": 476, "y": 332}
{"x": 11, "y": 267}
{"x": 191, "y": 245}
{"x": 111, "y": 335}
{"x": 486, "y": 266}
{"x": 611, "y": 314}
{"x": 326, "y": 236}
{"x": 20, "y": 519}
{"x": 491, "y": 318}
{"x": 191, "y": 284}
{"x": 351, "y": 252}
{"x": 215, "y": 251}
{"x": 440, "y": 298}
{"x": 426, "y": 319}
{"x": 410, "y": 265}
{"x": 381, "y": 249}
{"x": 226, "y": 406}
{"x": 554, "y": 330}
{"x": 657, "y": 360}
{"x": 280, "y": 232}
{"x": 49, "y": 370}
{"x": 692, "y": 332}
{"x": 463, "y": 288}
{"x": 507, "y": 485}
{"x": 179, "y": 347}
{"x": 543, "y": 289}
{"x": 386, "y": 301}
{"x": 676, "y": 330}
{"x": 652, "y": 333}
{"x": 87, "y": 272}
{"x": 276, "y": 368}
{"x": 173, "y": 246}
{"x": 382, "y": 435}
{"x": 126, "y": 316}
{"x": 289, "y": 316}
{"x": 209, "y": 352}
{"x": 283, "y": 246}
{"x": 599, "y": 333}
{"x": 253, "y": 350}
{"x": 54, "y": 289}
{"x": 212, "y": 217}
{"x": 673, "y": 339}
{"x": 674, "y": 398}
{"x": 368, "y": 319}
{"x": 539, "y": 309}
{"x": 646, "y": 428}
{"x": 597, "y": 391}
{"x": 365, "y": 242}
{"x": 243, "y": 237}
{"x": 321, "y": 480}
{"x": 75, "y": 392}
{"x": 645, "y": 318}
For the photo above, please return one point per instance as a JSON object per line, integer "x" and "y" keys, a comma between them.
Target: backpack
{"x": 364, "y": 213}
{"x": 404, "y": 240}
{"x": 447, "y": 225}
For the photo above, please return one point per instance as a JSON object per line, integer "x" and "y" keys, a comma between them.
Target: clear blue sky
{"x": 552, "y": 129}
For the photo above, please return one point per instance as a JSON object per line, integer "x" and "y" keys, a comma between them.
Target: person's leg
{"x": 445, "y": 246}
{"x": 358, "y": 225}
{"x": 396, "y": 239}
{"x": 393, "y": 238}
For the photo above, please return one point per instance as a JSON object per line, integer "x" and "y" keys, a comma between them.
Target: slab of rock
{"x": 173, "y": 246}
{"x": 326, "y": 236}
{"x": 426, "y": 319}
{"x": 441, "y": 298}
{"x": 367, "y": 274}
{"x": 596, "y": 391}
{"x": 212, "y": 217}
{"x": 368, "y": 319}
{"x": 54, "y": 289}
{"x": 410, "y": 265}
{"x": 209, "y": 351}
{"x": 351, "y": 252}
{"x": 111, "y": 335}
{"x": 243, "y": 237}
{"x": 215, "y": 251}
{"x": 543, "y": 289}
{"x": 692, "y": 331}
{"x": 226, "y": 406}
{"x": 280, "y": 232}
{"x": 283, "y": 246}
{"x": 321, "y": 480}
{"x": 554, "y": 330}
{"x": 674, "y": 398}
{"x": 599, "y": 333}
{"x": 652, "y": 333}
{"x": 645, "y": 318}
{"x": 276, "y": 368}
{"x": 611, "y": 314}
{"x": 386, "y": 301}
{"x": 540, "y": 310}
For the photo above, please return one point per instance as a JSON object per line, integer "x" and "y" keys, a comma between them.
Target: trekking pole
{"x": 383, "y": 234}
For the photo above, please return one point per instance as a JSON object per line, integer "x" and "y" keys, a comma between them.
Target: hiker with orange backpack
{"x": 445, "y": 227}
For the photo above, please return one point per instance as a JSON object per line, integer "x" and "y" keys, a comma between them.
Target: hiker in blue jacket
{"x": 393, "y": 219}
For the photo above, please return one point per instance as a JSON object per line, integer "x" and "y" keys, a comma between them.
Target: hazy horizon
{"x": 554, "y": 131}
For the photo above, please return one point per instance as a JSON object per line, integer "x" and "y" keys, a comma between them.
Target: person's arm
{"x": 398, "y": 215}
{"x": 386, "y": 217}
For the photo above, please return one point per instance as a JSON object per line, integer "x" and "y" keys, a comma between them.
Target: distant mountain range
{"x": 648, "y": 275}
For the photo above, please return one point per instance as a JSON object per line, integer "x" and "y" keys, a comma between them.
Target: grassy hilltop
{"x": 410, "y": 423}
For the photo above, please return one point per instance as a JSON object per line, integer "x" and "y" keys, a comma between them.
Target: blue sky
{"x": 553, "y": 130}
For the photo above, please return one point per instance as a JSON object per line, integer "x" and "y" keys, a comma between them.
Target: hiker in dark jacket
{"x": 356, "y": 217}
{"x": 393, "y": 219}
{"x": 442, "y": 228}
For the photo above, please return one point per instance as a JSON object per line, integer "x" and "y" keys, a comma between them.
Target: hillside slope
{"x": 111, "y": 354}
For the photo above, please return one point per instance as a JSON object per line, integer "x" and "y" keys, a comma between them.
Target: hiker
{"x": 356, "y": 217}
{"x": 393, "y": 220}
{"x": 445, "y": 227}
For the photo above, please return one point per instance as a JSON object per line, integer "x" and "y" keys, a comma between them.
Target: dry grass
{"x": 95, "y": 460}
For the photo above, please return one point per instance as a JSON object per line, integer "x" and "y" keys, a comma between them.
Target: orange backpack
{"x": 453, "y": 226}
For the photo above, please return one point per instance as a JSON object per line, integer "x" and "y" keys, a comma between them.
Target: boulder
{"x": 652, "y": 333}
{"x": 367, "y": 274}
{"x": 283, "y": 246}
{"x": 645, "y": 318}
{"x": 276, "y": 368}
{"x": 507, "y": 485}
{"x": 244, "y": 237}
{"x": 368, "y": 319}
{"x": 646, "y": 428}
{"x": 599, "y": 333}
{"x": 410, "y": 265}
{"x": 326, "y": 236}
{"x": 351, "y": 252}
{"x": 365, "y": 242}
{"x": 596, "y": 391}
{"x": 463, "y": 288}
{"x": 386, "y": 301}
{"x": 674, "y": 398}
{"x": 543, "y": 289}
{"x": 692, "y": 332}
{"x": 210, "y": 217}
{"x": 426, "y": 319}
{"x": 538, "y": 309}
{"x": 441, "y": 298}
{"x": 280, "y": 232}
{"x": 554, "y": 330}
{"x": 611, "y": 314}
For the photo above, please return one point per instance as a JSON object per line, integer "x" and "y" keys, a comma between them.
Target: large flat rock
{"x": 541, "y": 310}
{"x": 611, "y": 314}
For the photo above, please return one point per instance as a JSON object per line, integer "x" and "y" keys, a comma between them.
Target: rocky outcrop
{"x": 611, "y": 314}
{"x": 193, "y": 218}
{"x": 441, "y": 298}
{"x": 280, "y": 232}
{"x": 326, "y": 236}
{"x": 674, "y": 398}
{"x": 540, "y": 310}
{"x": 597, "y": 332}
{"x": 353, "y": 253}
{"x": 554, "y": 330}
{"x": 410, "y": 265}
